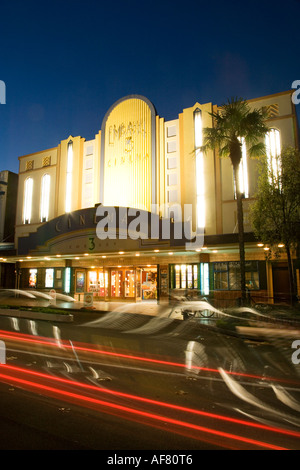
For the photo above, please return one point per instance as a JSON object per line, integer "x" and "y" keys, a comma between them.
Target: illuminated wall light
{"x": 137, "y": 254}
{"x": 215, "y": 251}
{"x": 171, "y": 253}
{"x": 204, "y": 267}
{"x": 260, "y": 244}
{"x": 45, "y": 198}
{"x": 58, "y": 256}
{"x": 243, "y": 171}
{"x": 273, "y": 148}
{"x": 121, "y": 252}
{"x": 69, "y": 177}
{"x": 77, "y": 257}
{"x": 281, "y": 245}
{"x": 67, "y": 280}
{"x": 103, "y": 256}
{"x": 156, "y": 251}
{"x": 200, "y": 187}
{"x": 28, "y": 191}
{"x": 266, "y": 248}
{"x": 86, "y": 254}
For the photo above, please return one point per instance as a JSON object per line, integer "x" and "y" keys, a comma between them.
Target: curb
{"x": 36, "y": 315}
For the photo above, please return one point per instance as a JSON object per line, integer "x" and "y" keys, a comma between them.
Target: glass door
{"x": 116, "y": 283}
{"x": 138, "y": 284}
{"x": 129, "y": 283}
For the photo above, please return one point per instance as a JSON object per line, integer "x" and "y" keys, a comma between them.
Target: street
{"x": 132, "y": 382}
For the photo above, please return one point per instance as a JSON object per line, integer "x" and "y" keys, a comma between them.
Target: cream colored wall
{"x": 36, "y": 174}
{"x": 88, "y": 174}
{"x": 97, "y": 168}
{"x": 220, "y": 203}
{"x": 188, "y": 166}
{"x": 160, "y": 165}
{"x": 78, "y": 143}
{"x": 172, "y": 168}
{"x": 284, "y": 122}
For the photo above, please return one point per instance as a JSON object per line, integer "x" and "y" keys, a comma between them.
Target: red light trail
{"x": 83, "y": 399}
{"x": 149, "y": 401}
{"x": 66, "y": 345}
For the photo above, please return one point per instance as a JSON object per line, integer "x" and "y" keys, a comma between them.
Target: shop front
{"x": 110, "y": 283}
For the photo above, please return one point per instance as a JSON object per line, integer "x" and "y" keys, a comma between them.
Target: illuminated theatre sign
{"x": 128, "y": 159}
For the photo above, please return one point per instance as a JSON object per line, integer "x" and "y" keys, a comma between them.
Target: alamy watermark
{"x": 296, "y": 94}
{"x": 296, "y": 354}
{"x": 2, "y": 92}
{"x": 2, "y": 353}
{"x": 124, "y": 223}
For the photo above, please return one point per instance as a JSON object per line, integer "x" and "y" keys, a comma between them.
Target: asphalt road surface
{"x": 126, "y": 382}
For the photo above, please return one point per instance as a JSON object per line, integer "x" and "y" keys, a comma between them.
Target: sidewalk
{"x": 151, "y": 308}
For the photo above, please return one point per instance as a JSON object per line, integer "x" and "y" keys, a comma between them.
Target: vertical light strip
{"x": 28, "y": 200}
{"x": 204, "y": 279}
{"x": 200, "y": 188}
{"x": 69, "y": 177}
{"x": 67, "y": 280}
{"x": 273, "y": 147}
{"x": 45, "y": 198}
{"x": 243, "y": 171}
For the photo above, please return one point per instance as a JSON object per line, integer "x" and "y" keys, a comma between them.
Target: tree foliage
{"x": 275, "y": 214}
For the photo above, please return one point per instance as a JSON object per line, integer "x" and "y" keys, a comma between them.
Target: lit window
{"x": 49, "y": 281}
{"x": 273, "y": 149}
{"x": 199, "y": 170}
{"x": 69, "y": 176}
{"x": 45, "y": 198}
{"x": 27, "y": 200}
{"x": 184, "y": 276}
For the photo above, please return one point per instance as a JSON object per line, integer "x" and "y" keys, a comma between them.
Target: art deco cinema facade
{"x": 140, "y": 162}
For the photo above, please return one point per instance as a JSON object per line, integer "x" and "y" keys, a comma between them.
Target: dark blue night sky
{"x": 65, "y": 63}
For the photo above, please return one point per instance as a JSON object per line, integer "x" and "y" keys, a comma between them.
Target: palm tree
{"x": 232, "y": 123}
